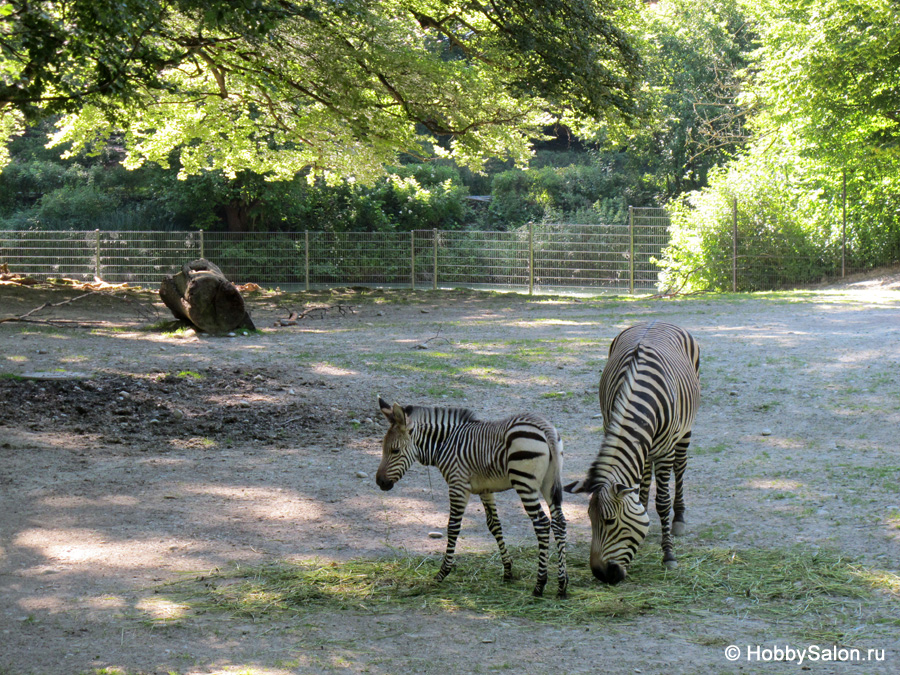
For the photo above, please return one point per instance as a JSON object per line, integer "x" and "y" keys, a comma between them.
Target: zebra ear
{"x": 398, "y": 416}
{"x": 386, "y": 409}
{"x": 622, "y": 490}
{"x": 576, "y": 487}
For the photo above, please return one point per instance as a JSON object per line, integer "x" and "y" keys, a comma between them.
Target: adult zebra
{"x": 649, "y": 392}
{"x": 522, "y": 452}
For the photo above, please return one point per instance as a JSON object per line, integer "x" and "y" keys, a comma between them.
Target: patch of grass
{"x": 166, "y": 327}
{"x": 558, "y": 395}
{"x": 189, "y": 374}
{"x": 787, "y": 584}
{"x": 709, "y": 450}
{"x": 11, "y": 376}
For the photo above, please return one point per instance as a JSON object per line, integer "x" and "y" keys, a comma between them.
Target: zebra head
{"x": 619, "y": 523}
{"x": 398, "y": 449}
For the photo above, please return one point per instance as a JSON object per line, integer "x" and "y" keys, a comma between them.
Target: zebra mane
{"x": 613, "y": 425}
{"x": 443, "y": 416}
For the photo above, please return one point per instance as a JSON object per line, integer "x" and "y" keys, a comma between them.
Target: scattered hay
{"x": 792, "y": 585}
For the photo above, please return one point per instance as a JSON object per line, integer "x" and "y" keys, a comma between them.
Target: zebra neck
{"x": 620, "y": 460}
{"x": 429, "y": 439}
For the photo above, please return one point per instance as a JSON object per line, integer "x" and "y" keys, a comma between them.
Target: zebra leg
{"x": 532, "y": 503}
{"x": 663, "y": 510}
{"x": 645, "y": 483}
{"x": 459, "y": 499}
{"x": 681, "y": 447}
{"x": 558, "y": 524}
{"x": 493, "y": 523}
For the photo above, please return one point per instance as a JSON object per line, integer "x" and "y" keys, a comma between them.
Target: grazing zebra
{"x": 649, "y": 393}
{"x": 522, "y": 452}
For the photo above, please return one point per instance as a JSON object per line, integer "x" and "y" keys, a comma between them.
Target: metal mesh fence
{"x": 539, "y": 257}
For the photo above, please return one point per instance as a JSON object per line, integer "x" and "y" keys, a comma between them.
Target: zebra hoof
{"x": 509, "y": 576}
{"x": 538, "y": 592}
{"x": 670, "y": 564}
{"x": 439, "y": 577}
{"x": 678, "y": 528}
{"x": 562, "y": 594}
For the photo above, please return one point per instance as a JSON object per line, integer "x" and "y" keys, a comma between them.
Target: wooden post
{"x": 434, "y": 233}
{"x": 631, "y": 250}
{"x": 412, "y": 259}
{"x": 306, "y": 258}
{"x": 734, "y": 246}
{"x": 202, "y": 245}
{"x": 530, "y": 258}
{"x": 97, "y": 255}
{"x": 844, "y": 225}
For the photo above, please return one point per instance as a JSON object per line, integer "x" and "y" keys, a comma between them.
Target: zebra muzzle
{"x": 609, "y": 573}
{"x": 384, "y": 483}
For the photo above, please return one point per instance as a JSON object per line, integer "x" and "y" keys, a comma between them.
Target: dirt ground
{"x": 176, "y": 453}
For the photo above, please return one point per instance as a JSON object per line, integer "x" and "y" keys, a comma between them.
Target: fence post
{"x": 97, "y": 255}
{"x": 202, "y": 244}
{"x": 306, "y": 258}
{"x": 844, "y": 225}
{"x": 631, "y": 250}
{"x": 530, "y": 258}
{"x": 412, "y": 259}
{"x": 734, "y": 245}
{"x": 434, "y": 233}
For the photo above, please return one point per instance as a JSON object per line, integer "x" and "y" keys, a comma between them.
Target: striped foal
{"x": 522, "y": 452}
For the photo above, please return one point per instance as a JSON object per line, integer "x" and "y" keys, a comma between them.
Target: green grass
{"x": 787, "y": 584}
{"x": 11, "y": 376}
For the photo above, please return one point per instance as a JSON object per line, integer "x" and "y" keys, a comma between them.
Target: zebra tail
{"x": 556, "y": 462}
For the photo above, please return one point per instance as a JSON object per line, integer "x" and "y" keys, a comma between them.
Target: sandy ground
{"x": 178, "y": 453}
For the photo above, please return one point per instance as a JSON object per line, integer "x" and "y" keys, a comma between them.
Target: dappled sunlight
{"x": 331, "y": 370}
{"x": 776, "y": 484}
{"x": 78, "y": 546}
{"x": 881, "y": 580}
{"x": 262, "y": 503}
{"x": 541, "y": 323}
{"x": 73, "y": 502}
{"x": 162, "y": 609}
{"x": 247, "y": 670}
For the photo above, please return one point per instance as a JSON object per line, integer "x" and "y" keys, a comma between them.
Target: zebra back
{"x": 649, "y": 392}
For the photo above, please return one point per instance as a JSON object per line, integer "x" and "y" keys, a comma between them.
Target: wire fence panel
{"x": 137, "y": 257}
{"x": 581, "y": 256}
{"x": 45, "y": 254}
{"x": 482, "y": 259}
{"x": 536, "y": 257}
{"x": 359, "y": 258}
{"x": 650, "y": 238}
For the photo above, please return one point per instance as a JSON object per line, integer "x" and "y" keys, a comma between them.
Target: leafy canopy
{"x": 342, "y": 86}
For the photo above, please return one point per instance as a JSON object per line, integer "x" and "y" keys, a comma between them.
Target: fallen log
{"x": 201, "y": 295}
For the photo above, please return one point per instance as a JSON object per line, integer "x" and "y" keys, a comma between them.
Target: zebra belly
{"x": 484, "y": 484}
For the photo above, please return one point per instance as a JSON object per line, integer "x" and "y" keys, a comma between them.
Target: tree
{"x": 340, "y": 86}
{"x": 825, "y": 92}
{"x": 694, "y": 54}
{"x": 830, "y": 70}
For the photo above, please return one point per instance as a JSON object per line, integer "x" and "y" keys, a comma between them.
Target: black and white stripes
{"x": 522, "y": 452}
{"x": 649, "y": 392}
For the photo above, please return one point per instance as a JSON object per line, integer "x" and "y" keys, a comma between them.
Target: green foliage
{"x": 595, "y": 192}
{"x": 824, "y": 92}
{"x": 342, "y": 88}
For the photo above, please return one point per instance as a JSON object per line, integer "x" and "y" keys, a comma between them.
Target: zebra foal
{"x": 649, "y": 392}
{"x": 522, "y": 452}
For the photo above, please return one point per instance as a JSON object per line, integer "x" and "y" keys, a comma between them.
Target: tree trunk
{"x": 201, "y": 295}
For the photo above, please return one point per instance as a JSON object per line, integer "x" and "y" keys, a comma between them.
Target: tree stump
{"x": 201, "y": 295}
